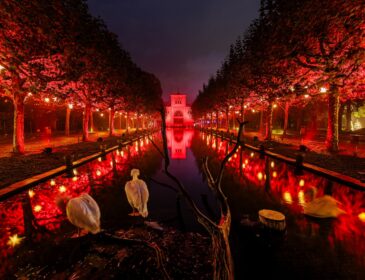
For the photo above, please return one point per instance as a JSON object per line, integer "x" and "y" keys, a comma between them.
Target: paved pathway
{"x": 35, "y": 145}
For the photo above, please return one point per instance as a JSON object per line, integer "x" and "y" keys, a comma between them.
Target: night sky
{"x": 182, "y": 42}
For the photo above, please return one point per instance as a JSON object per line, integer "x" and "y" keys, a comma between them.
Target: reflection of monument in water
{"x": 178, "y": 119}
{"x": 178, "y": 140}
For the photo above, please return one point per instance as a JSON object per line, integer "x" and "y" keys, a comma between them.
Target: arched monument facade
{"x": 178, "y": 113}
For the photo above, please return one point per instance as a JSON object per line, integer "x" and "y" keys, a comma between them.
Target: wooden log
{"x": 272, "y": 219}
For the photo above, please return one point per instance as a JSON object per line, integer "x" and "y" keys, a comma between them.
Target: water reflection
{"x": 33, "y": 215}
{"x": 253, "y": 182}
{"x": 178, "y": 140}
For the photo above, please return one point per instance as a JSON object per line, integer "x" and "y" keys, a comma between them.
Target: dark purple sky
{"x": 182, "y": 42}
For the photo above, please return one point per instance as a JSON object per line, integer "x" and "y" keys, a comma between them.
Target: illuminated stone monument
{"x": 178, "y": 114}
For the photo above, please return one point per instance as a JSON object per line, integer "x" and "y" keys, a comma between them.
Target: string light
{"x": 362, "y": 216}
{"x": 15, "y": 240}
{"x": 322, "y": 90}
{"x": 31, "y": 193}
{"x": 37, "y": 208}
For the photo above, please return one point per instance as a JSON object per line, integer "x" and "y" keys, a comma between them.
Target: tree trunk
{"x": 217, "y": 119}
{"x": 243, "y": 113}
{"x": 127, "y": 123}
{"x": 286, "y": 118}
{"x": 137, "y": 122}
{"x": 120, "y": 121}
{"x": 222, "y": 261}
{"x": 227, "y": 119}
{"x": 332, "y": 124}
{"x": 18, "y": 133}
{"x": 340, "y": 113}
{"x": 85, "y": 123}
{"x": 269, "y": 117}
{"x": 261, "y": 125}
{"x": 92, "y": 128}
{"x": 143, "y": 122}
{"x": 67, "y": 122}
{"x": 111, "y": 122}
{"x": 348, "y": 115}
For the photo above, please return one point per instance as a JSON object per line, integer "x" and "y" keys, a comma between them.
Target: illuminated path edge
{"x": 39, "y": 178}
{"x": 329, "y": 174}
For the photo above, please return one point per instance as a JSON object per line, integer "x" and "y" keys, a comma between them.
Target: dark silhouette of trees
{"x": 295, "y": 51}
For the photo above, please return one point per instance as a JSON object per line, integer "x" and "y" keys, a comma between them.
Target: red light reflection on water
{"x": 178, "y": 140}
{"x": 289, "y": 188}
{"x": 36, "y": 207}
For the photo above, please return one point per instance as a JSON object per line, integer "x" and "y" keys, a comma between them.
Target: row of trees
{"x": 295, "y": 51}
{"x": 55, "y": 51}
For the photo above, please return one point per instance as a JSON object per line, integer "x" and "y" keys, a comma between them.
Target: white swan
{"x": 322, "y": 207}
{"x": 83, "y": 212}
{"x": 137, "y": 194}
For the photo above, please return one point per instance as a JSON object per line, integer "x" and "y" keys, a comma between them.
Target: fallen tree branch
{"x": 159, "y": 254}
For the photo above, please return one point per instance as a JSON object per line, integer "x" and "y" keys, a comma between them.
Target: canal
{"x": 309, "y": 249}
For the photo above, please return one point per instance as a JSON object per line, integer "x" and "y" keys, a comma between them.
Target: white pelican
{"x": 322, "y": 207}
{"x": 137, "y": 194}
{"x": 82, "y": 211}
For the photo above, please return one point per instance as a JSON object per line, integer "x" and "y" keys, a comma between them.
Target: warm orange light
{"x": 322, "y": 90}
{"x": 101, "y": 114}
{"x": 99, "y": 159}
{"x": 31, "y": 193}
{"x": 301, "y": 197}
{"x": 275, "y": 174}
{"x": 74, "y": 178}
{"x": 306, "y": 95}
{"x": 260, "y": 176}
{"x": 53, "y": 182}
{"x": 75, "y": 171}
{"x": 243, "y": 165}
{"x": 62, "y": 189}
{"x": 246, "y": 161}
{"x": 252, "y": 154}
{"x": 362, "y": 216}
{"x": 37, "y": 208}
{"x": 46, "y": 100}
{"x": 272, "y": 164}
{"x": 287, "y": 197}
{"x": 70, "y": 106}
{"x": 98, "y": 172}
{"x": 301, "y": 183}
{"x": 14, "y": 240}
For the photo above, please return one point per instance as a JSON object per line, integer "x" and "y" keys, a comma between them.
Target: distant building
{"x": 178, "y": 114}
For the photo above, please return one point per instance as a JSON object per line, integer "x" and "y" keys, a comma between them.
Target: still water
{"x": 310, "y": 248}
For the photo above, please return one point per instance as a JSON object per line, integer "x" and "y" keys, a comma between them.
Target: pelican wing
{"x": 144, "y": 195}
{"x": 132, "y": 194}
{"x": 82, "y": 215}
